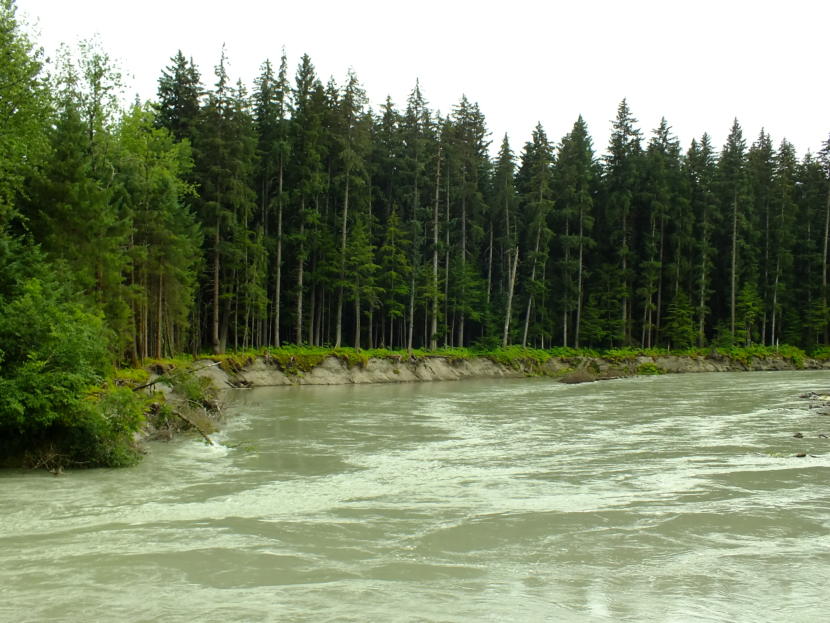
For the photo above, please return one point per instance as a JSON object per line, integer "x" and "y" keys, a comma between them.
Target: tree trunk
{"x": 433, "y": 335}
{"x": 824, "y": 266}
{"x": 217, "y": 346}
{"x": 411, "y": 330}
{"x": 357, "y": 318}
{"x": 463, "y": 265}
{"x": 301, "y": 263}
{"x": 701, "y": 308}
{"x": 159, "y": 319}
{"x": 775, "y": 299}
{"x": 447, "y": 334}
{"x": 626, "y": 334}
{"x": 510, "y": 286}
{"x": 338, "y": 329}
{"x": 579, "y": 284}
{"x": 278, "y": 267}
{"x": 734, "y": 263}
{"x": 532, "y": 279}
{"x": 659, "y": 311}
{"x": 566, "y": 304}
{"x": 489, "y": 267}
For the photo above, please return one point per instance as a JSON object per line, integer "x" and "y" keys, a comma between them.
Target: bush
{"x": 53, "y": 363}
{"x": 649, "y": 369}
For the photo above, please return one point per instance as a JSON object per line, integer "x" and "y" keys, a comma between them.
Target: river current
{"x": 672, "y": 498}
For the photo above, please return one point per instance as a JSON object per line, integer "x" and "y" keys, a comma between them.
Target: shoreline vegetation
{"x": 229, "y": 217}
{"x": 165, "y": 397}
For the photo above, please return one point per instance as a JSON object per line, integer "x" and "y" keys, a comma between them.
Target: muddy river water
{"x": 671, "y": 498}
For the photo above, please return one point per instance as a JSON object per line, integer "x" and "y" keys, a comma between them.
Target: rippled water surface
{"x": 674, "y": 498}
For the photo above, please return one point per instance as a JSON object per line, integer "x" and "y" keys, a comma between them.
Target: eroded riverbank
{"x": 267, "y": 371}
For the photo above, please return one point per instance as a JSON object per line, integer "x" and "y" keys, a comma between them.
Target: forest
{"x": 224, "y": 216}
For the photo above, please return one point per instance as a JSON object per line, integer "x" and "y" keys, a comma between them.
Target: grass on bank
{"x": 302, "y": 359}
{"x": 91, "y": 419}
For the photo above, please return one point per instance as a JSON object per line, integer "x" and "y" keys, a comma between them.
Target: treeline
{"x": 325, "y": 222}
{"x": 226, "y": 217}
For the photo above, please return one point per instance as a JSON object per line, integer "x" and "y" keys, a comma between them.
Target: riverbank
{"x": 165, "y": 397}
{"x": 270, "y": 371}
{"x": 197, "y": 397}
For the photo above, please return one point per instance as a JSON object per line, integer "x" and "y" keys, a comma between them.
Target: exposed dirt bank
{"x": 262, "y": 372}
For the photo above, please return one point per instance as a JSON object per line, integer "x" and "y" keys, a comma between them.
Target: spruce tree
{"x": 732, "y": 188}
{"x": 306, "y": 173}
{"x": 621, "y": 177}
{"x": 505, "y": 203}
{"x": 575, "y": 177}
{"x": 534, "y": 180}
{"x": 179, "y": 95}
{"x": 271, "y": 113}
{"x": 700, "y": 172}
{"x": 353, "y": 144}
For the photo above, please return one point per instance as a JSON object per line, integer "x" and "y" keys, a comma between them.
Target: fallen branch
{"x": 161, "y": 378}
{"x": 196, "y": 426}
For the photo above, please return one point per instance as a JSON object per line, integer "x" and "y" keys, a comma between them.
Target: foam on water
{"x": 661, "y": 499}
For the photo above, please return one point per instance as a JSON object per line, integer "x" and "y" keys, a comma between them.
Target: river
{"x": 672, "y": 498}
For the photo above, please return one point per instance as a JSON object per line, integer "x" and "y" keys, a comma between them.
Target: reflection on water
{"x": 662, "y": 499}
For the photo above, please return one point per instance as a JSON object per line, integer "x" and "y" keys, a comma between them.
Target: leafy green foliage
{"x": 215, "y": 219}
{"x": 649, "y": 369}
{"x": 54, "y": 359}
{"x": 24, "y": 108}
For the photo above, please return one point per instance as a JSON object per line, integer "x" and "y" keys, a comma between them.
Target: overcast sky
{"x": 698, "y": 63}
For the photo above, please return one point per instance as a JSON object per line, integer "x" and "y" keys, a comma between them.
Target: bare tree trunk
{"x": 278, "y": 267}
{"x": 159, "y": 318}
{"x": 659, "y": 311}
{"x": 463, "y": 265}
{"x": 357, "y": 318}
{"x": 301, "y": 263}
{"x": 734, "y": 263}
{"x": 532, "y": 279}
{"x": 579, "y": 284}
{"x": 626, "y": 328}
{"x": 145, "y": 323}
{"x": 447, "y": 334}
{"x": 766, "y": 281}
{"x": 370, "y": 329}
{"x": 489, "y": 266}
{"x": 433, "y": 335}
{"x": 338, "y": 328}
{"x": 509, "y": 308}
{"x": 566, "y": 303}
{"x": 775, "y": 298}
{"x": 217, "y": 345}
{"x": 701, "y": 307}
{"x": 411, "y": 313}
{"x": 824, "y": 266}
{"x": 313, "y": 320}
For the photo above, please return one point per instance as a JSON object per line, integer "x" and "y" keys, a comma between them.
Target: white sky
{"x": 698, "y": 63}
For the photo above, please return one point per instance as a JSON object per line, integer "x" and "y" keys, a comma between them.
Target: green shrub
{"x": 822, "y": 353}
{"x": 649, "y": 368}
{"x": 195, "y": 389}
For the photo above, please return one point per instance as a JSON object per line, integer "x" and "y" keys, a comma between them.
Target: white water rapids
{"x": 673, "y": 498}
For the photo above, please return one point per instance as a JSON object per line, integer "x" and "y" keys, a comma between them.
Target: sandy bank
{"x": 262, "y": 372}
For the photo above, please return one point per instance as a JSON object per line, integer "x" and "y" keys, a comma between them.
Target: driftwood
{"x": 160, "y": 378}
{"x": 194, "y": 425}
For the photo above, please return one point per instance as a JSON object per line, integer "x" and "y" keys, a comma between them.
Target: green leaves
{"x": 54, "y": 351}
{"x": 24, "y": 109}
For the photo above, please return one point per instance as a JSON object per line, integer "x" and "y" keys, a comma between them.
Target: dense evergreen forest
{"x": 222, "y": 217}
{"x": 225, "y": 216}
